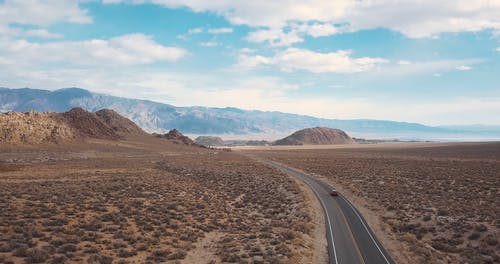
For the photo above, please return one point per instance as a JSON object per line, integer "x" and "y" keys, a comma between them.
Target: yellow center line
{"x": 350, "y": 232}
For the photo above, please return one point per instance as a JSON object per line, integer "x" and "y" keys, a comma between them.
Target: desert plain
{"x": 150, "y": 200}
{"x": 427, "y": 202}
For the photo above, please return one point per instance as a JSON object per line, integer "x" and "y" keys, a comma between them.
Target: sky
{"x": 432, "y": 62}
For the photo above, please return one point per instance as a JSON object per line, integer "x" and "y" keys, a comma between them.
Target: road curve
{"x": 350, "y": 239}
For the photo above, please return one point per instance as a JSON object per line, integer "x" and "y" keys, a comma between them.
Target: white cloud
{"x": 7, "y": 31}
{"x": 275, "y": 37}
{"x": 246, "y": 50}
{"x": 402, "y": 69}
{"x": 418, "y": 19}
{"x": 292, "y": 34}
{"x": 463, "y": 68}
{"x": 209, "y": 44}
{"x": 200, "y": 30}
{"x": 195, "y": 31}
{"x": 300, "y": 59}
{"x": 317, "y": 29}
{"x": 404, "y": 62}
{"x": 42, "y": 33}
{"x": 498, "y": 49}
{"x": 415, "y": 19}
{"x": 220, "y": 30}
{"x": 42, "y": 12}
{"x": 273, "y": 14}
{"x": 132, "y": 49}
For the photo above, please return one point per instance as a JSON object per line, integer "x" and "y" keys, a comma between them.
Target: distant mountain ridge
{"x": 158, "y": 117}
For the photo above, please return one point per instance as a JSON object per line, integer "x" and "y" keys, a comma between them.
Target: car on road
{"x": 333, "y": 192}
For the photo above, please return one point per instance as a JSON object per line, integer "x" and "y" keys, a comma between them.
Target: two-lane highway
{"x": 350, "y": 239}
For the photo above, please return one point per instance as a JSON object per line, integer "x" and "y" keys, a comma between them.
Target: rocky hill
{"x": 208, "y": 141}
{"x": 76, "y": 124}
{"x": 118, "y": 123}
{"x": 317, "y": 136}
{"x": 177, "y": 137}
{"x": 34, "y": 128}
{"x": 86, "y": 124}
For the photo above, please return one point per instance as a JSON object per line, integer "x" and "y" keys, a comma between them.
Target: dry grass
{"x": 146, "y": 202}
{"x": 442, "y": 201}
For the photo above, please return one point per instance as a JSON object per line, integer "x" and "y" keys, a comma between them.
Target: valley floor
{"x": 147, "y": 201}
{"x": 427, "y": 202}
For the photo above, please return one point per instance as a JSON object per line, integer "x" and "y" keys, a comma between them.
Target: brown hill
{"x": 88, "y": 125}
{"x": 177, "y": 137}
{"x": 36, "y": 128}
{"x": 316, "y": 136}
{"x": 118, "y": 123}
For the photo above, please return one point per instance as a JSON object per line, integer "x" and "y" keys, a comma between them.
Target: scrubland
{"x": 148, "y": 201}
{"x": 441, "y": 201}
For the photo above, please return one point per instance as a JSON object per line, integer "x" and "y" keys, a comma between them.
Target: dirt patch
{"x": 9, "y": 167}
{"x": 204, "y": 250}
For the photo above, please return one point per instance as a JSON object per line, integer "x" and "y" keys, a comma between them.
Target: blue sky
{"x": 433, "y": 62}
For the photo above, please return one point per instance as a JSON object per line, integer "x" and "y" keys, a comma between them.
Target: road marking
{"x": 306, "y": 180}
{"x": 329, "y": 223}
{"x": 369, "y": 233}
{"x": 356, "y": 246}
{"x": 284, "y": 168}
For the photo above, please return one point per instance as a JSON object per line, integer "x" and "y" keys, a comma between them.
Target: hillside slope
{"x": 86, "y": 124}
{"x": 76, "y": 124}
{"x": 34, "y": 128}
{"x": 118, "y": 123}
{"x": 316, "y": 136}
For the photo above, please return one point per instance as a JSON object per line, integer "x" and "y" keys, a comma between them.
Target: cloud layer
{"x": 415, "y": 19}
{"x": 132, "y": 49}
{"x": 42, "y": 12}
{"x": 301, "y": 59}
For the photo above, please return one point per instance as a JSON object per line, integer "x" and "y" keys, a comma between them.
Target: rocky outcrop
{"x": 76, "y": 124}
{"x": 208, "y": 141}
{"x": 177, "y": 137}
{"x": 33, "y": 128}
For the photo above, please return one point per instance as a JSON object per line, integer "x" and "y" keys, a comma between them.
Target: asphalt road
{"x": 350, "y": 239}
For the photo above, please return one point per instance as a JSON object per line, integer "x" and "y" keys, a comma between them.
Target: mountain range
{"x": 196, "y": 120}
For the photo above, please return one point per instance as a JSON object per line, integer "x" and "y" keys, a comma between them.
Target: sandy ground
{"x": 204, "y": 249}
{"x": 344, "y": 146}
